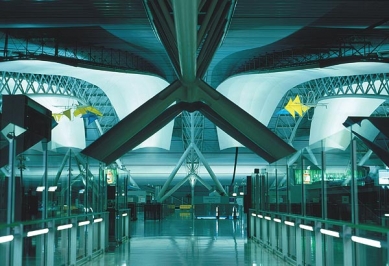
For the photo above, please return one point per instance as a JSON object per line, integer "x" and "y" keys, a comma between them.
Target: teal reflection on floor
{"x": 181, "y": 240}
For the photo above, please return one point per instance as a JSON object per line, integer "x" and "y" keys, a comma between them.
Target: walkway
{"x": 180, "y": 240}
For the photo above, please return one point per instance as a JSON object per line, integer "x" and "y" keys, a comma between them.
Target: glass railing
{"x": 54, "y": 241}
{"x": 312, "y": 241}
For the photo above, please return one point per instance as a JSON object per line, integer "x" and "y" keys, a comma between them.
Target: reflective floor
{"x": 180, "y": 240}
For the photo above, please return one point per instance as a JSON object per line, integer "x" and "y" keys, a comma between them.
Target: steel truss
{"x": 311, "y": 92}
{"x": 192, "y": 131}
{"x": 355, "y": 48}
{"x": 52, "y": 49}
{"x": 37, "y": 84}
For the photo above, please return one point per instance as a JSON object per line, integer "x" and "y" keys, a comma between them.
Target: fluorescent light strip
{"x": 260, "y": 216}
{"x": 277, "y": 220}
{"x": 289, "y": 223}
{"x": 52, "y": 189}
{"x": 268, "y": 218}
{"x": 124, "y": 214}
{"x": 306, "y": 227}
{"x": 330, "y": 232}
{"x": 234, "y": 194}
{"x": 4, "y": 239}
{"x": 64, "y": 226}
{"x": 37, "y": 232}
{"x": 386, "y": 214}
{"x": 241, "y": 193}
{"x": 366, "y": 241}
{"x": 253, "y": 214}
{"x": 40, "y": 189}
{"x": 98, "y": 220}
{"x": 83, "y": 223}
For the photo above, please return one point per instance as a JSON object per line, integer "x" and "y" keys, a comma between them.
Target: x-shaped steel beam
{"x": 189, "y": 92}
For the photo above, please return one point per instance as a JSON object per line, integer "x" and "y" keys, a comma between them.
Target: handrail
{"x": 374, "y": 228}
{"x": 16, "y": 224}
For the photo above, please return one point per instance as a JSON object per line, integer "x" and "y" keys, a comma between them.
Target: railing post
{"x": 319, "y": 245}
{"x": 348, "y": 253}
{"x": 73, "y": 243}
{"x": 299, "y": 244}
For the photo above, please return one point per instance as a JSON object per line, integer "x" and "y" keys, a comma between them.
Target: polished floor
{"x": 181, "y": 240}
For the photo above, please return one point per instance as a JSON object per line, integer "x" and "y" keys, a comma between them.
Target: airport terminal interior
{"x": 194, "y": 132}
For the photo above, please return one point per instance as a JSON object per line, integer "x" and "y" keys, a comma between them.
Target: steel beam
{"x": 209, "y": 169}
{"x": 122, "y": 138}
{"x": 185, "y": 18}
{"x": 174, "y": 189}
{"x": 174, "y": 172}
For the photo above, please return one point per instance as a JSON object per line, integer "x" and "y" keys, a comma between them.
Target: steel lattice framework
{"x": 347, "y": 48}
{"x": 192, "y": 132}
{"x": 84, "y": 92}
{"x": 311, "y": 92}
{"x": 54, "y": 50}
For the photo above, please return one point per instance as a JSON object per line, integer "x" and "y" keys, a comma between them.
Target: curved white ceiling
{"x": 259, "y": 94}
{"x": 126, "y": 91}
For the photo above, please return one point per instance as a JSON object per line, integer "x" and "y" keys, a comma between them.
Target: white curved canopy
{"x": 126, "y": 91}
{"x": 259, "y": 94}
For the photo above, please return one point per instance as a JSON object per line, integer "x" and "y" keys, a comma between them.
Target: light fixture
{"x": 329, "y": 232}
{"x": 289, "y": 223}
{"x": 98, "y": 220}
{"x": 37, "y": 232}
{"x": 52, "y": 189}
{"x": 253, "y": 214}
{"x": 366, "y": 241}
{"x": 40, "y": 188}
{"x": 241, "y": 193}
{"x": 268, "y": 218}
{"x": 260, "y": 216}
{"x": 306, "y": 227}
{"x": 124, "y": 214}
{"x": 64, "y": 226}
{"x": 234, "y": 194}
{"x": 277, "y": 220}
{"x": 83, "y": 223}
{"x": 386, "y": 214}
{"x": 4, "y": 239}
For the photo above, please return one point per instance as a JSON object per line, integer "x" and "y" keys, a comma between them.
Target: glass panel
{"x": 33, "y": 247}
{"x": 296, "y": 186}
{"x": 312, "y": 181}
{"x": 338, "y": 183}
{"x": 62, "y": 243}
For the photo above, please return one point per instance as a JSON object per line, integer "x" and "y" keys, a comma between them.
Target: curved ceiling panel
{"x": 126, "y": 91}
{"x": 330, "y": 114}
{"x": 259, "y": 94}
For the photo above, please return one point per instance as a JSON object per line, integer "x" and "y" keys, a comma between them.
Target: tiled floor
{"x": 180, "y": 240}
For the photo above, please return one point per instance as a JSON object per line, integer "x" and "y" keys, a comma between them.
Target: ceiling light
{"x": 40, "y": 189}
{"x": 52, "y": 189}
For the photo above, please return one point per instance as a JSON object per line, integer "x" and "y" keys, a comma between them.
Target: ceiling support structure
{"x": 194, "y": 48}
{"x": 174, "y": 189}
{"x": 219, "y": 187}
{"x": 185, "y": 17}
{"x": 173, "y": 173}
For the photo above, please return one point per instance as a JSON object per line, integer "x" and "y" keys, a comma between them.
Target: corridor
{"x": 180, "y": 240}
